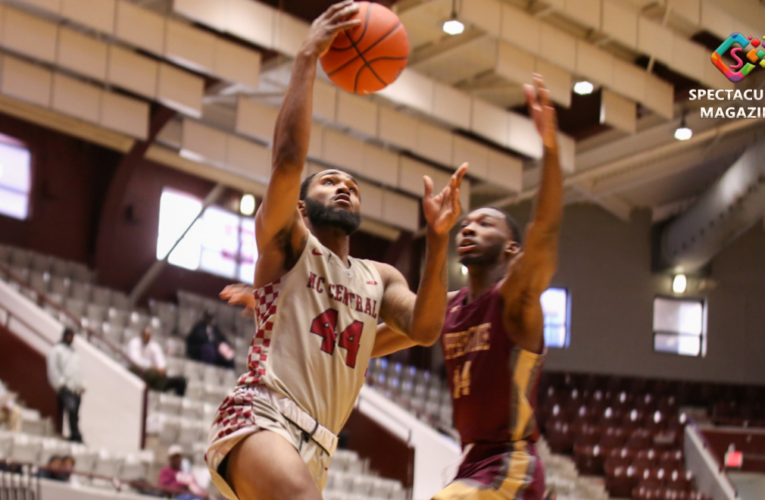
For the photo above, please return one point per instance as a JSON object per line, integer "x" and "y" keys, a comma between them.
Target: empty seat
{"x": 20, "y": 258}
{"x": 75, "y": 307}
{"x": 80, "y": 291}
{"x": 191, "y": 431}
{"x": 193, "y": 410}
{"x": 107, "y": 464}
{"x": 39, "y": 281}
{"x": 102, "y": 296}
{"x": 26, "y": 449}
{"x": 84, "y": 459}
{"x": 118, "y": 317}
{"x": 170, "y": 404}
{"x": 95, "y": 312}
{"x": 113, "y": 333}
{"x": 135, "y": 466}
{"x": 120, "y": 300}
{"x": 138, "y": 320}
{"x": 80, "y": 272}
{"x": 59, "y": 285}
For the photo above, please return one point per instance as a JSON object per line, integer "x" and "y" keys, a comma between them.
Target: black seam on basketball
{"x": 361, "y": 54}
{"x": 363, "y": 32}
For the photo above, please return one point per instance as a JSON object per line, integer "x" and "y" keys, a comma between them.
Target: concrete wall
{"x": 606, "y": 265}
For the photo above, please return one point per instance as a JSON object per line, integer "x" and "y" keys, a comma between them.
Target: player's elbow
{"x": 426, "y": 336}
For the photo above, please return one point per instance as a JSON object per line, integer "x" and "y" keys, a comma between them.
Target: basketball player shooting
{"x": 493, "y": 336}
{"x": 316, "y": 308}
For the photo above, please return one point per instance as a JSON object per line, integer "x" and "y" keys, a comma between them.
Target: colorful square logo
{"x": 745, "y": 52}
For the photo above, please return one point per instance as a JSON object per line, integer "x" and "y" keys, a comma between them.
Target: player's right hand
{"x": 240, "y": 295}
{"x": 326, "y": 27}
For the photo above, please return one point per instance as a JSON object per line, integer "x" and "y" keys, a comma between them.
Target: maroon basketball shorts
{"x": 506, "y": 471}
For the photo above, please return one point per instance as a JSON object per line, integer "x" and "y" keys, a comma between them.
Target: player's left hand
{"x": 240, "y": 295}
{"x": 542, "y": 112}
{"x": 442, "y": 210}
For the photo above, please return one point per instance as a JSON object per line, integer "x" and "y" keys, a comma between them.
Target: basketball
{"x": 370, "y": 56}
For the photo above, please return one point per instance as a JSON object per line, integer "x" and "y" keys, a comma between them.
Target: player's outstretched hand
{"x": 240, "y": 295}
{"x": 542, "y": 112}
{"x": 326, "y": 27}
{"x": 442, "y": 210}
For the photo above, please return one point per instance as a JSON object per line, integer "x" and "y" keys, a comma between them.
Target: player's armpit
{"x": 389, "y": 341}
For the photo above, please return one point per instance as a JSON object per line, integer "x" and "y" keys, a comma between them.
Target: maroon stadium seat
{"x": 648, "y": 489}
{"x": 621, "y": 481}
{"x": 559, "y": 435}
{"x": 589, "y": 459}
{"x": 640, "y": 439}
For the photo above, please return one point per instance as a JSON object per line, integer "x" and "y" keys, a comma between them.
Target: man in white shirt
{"x": 10, "y": 413}
{"x": 65, "y": 377}
{"x": 150, "y": 364}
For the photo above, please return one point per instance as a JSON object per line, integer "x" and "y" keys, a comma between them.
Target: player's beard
{"x": 489, "y": 257}
{"x": 321, "y": 215}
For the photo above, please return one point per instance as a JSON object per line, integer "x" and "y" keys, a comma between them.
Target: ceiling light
{"x": 247, "y": 205}
{"x": 584, "y": 88}
{"x": 453, "y": 26}
{"x": 464, "y": 271}
{"x": 679, "y": 283}
{"x": 683, "y": 132}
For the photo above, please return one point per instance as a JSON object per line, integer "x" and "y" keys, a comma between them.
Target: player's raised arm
{"x": 530, "y": 273}
{"x": 420, "y": 317}
{"x": 277, "y": 214}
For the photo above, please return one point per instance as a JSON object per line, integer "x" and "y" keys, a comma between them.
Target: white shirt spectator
{"x": 146, "y": 356}
{"x": 64, "y": 368}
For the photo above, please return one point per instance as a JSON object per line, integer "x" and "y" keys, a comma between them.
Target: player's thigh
{"x": 265, "y": 466}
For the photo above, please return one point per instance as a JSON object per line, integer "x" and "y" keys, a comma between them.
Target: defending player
{"x": 316, "y": 308}
{"x": 493, "y": 337}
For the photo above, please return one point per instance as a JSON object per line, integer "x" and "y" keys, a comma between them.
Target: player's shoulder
{"x": 451, "y": 295}
{"x": 387, "y": 271}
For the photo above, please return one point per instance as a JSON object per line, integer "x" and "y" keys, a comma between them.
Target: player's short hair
{"x": 512, "y": 224}
{"x": 304, "y": 186}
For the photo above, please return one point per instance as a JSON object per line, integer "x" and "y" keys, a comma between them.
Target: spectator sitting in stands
{"x": 65, "y": 377}
{"x": 206, "y": 343}
{"x": 173, "y": 476}
{"x": 147, "y": 355}
{"x": 10, "y": 412}
{"x": 55, "y": 470}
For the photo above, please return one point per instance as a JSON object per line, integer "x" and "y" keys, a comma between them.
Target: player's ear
{"x": 301, "y": 208}
{"x": 512, "y": 248}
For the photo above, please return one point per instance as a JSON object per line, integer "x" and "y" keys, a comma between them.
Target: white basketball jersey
{"x": 316, "y": 327}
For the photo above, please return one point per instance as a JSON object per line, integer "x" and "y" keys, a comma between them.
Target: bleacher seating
{"x": 612, "y": 434}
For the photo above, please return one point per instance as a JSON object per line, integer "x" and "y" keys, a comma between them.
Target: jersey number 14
{"x": 325, "y": 326}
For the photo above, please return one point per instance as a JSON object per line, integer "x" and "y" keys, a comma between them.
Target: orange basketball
{"x": 370, "y": 56}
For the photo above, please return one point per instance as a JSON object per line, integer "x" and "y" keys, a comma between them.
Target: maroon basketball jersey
{"x": 493, "y": 381}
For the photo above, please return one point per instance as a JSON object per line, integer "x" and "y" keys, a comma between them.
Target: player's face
{"x": 334, "y": 200}
{"x": 483, "y": 238}
{"x": 333, "y": 188}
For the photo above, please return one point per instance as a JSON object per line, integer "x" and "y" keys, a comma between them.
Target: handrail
{"x": 419, "y": 413}
{"x": 116, "y": 481}
{"x": 44, "y": 299}
{"x": 694, "y": 428}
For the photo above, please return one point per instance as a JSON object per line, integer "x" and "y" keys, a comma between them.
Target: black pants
{"x": 69, "y": 402}
{"x": 160, "y": 382}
